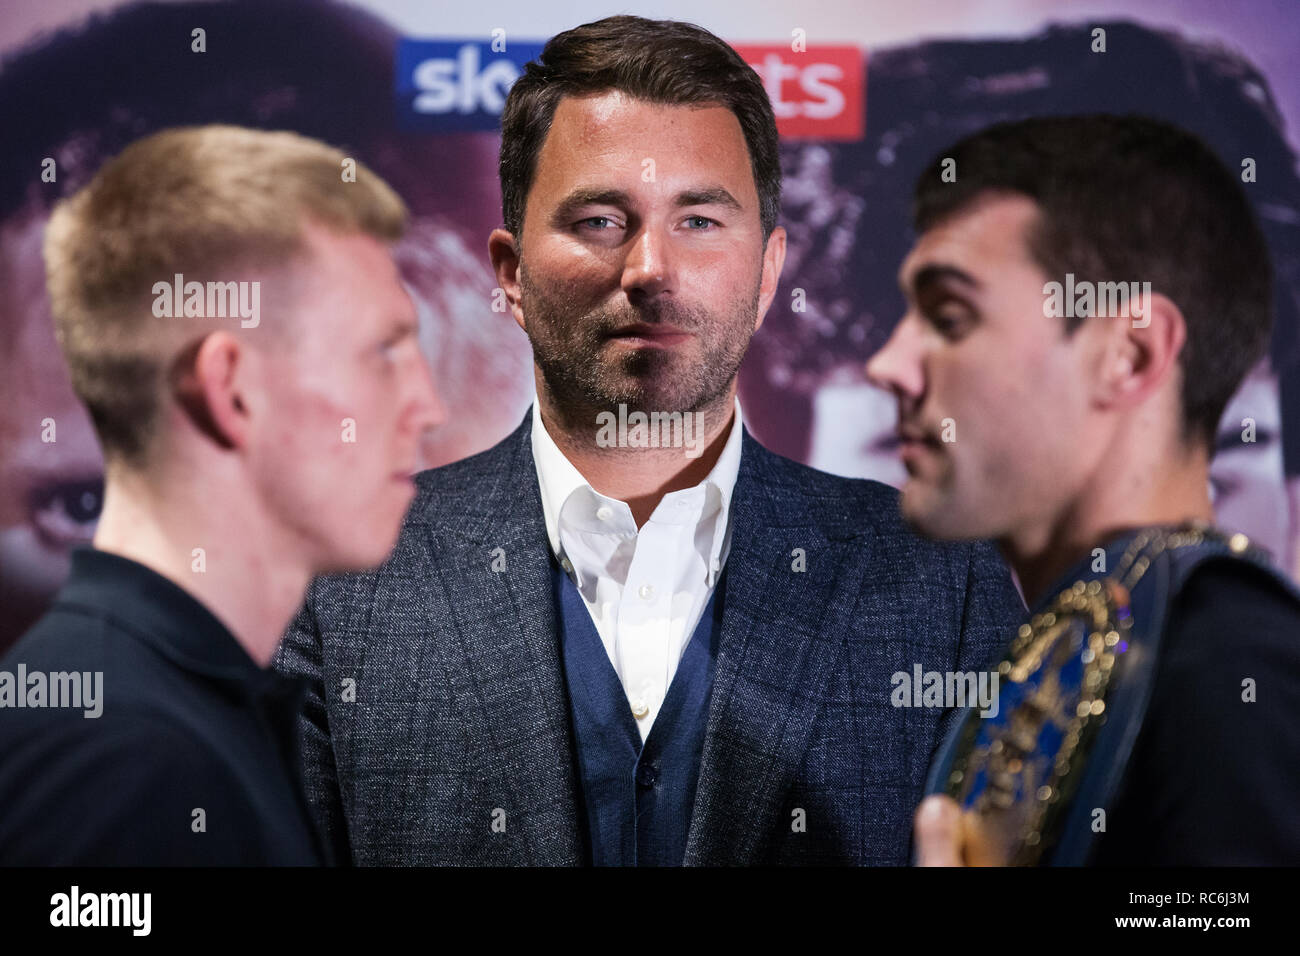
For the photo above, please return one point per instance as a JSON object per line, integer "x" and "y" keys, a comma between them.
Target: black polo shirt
{"x": 193, "y": 759}
{"x": 1213, "y": 778}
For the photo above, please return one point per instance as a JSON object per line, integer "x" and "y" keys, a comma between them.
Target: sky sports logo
{"x": 460, "y": 86}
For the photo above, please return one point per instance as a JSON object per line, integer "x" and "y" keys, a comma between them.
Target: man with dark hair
{"x": 847, "y": 214}
{"x": 629, "y": 634}
{"x": 1085, "y": 295}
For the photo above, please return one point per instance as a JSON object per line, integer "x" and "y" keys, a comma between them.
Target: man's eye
{"x": 66, "y": 513}
{"x": 948, "y": 324}
{"x": 598, "y": 223}
{"x": 699, "y": 223}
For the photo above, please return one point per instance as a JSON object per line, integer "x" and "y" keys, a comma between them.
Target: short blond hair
{"x": 205, "y": 199}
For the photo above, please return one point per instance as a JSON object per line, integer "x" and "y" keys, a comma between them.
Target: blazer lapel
{"x": 774, "y": 660}
{"x": 506, "y": 645}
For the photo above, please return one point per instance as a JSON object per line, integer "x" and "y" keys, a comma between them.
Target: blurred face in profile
{"x": 643, "y": 269}
{"x": 854, "y": 434}
{"x": 994, "y": 421}
{"x": 975, "y": 294}
{"x": 340, "y": 405}
{"x": 353, "y": 360}
{"x": 51, "y": 470}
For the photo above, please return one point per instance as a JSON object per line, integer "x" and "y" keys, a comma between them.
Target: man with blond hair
{"x": 234, "y": 322}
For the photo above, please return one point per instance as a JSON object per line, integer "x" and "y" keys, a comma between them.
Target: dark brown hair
{"x": 659, "y": 61}
{"x": 1128, "y": 198}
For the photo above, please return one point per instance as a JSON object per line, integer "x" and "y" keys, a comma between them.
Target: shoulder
{"x": 857, "y": 507}
{"x": 1228, "y": 670}
{"x": 853, "y": 505}
{"x": 89, "y": 657}
{"x": 1230, "y": 612}
{"x": 79, "y": 690}
{"x": 447, "y": 487}
{"x": 65, "y": 637}
{"x": 1210, "y": 781}
{"x": 123, "y": 789}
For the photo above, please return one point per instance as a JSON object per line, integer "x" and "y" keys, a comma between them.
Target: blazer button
{"x": 647, "y": 775}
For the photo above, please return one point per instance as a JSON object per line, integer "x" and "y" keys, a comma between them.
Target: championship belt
{"x": 1073, "y": 689}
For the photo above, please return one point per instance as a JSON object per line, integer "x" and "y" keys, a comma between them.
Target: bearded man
{"x": 628, "y": 634}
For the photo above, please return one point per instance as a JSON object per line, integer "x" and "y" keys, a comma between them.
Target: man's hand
{"x": 945, "y": 836}
{"x": 938, "y": 830}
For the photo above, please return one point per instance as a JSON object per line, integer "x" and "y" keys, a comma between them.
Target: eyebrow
{"x": 928, "y": 277}
{"x": 701, "y": 196}
{"x": 709, "y": 196}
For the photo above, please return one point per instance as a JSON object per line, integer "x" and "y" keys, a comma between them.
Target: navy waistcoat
{"x": 636, "y": 799}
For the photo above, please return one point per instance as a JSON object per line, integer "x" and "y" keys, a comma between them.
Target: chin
{"x": 931, "y": 513}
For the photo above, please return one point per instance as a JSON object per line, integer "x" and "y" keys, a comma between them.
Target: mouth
{"x": 645, "y": 334}
{"x": 913, "y": 444}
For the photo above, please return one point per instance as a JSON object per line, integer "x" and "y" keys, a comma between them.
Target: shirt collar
{"x": 162, "y": 614}
{"x": 557, "y": 479}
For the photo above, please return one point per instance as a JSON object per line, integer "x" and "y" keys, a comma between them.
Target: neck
{"x": 1168, "y": 493}
{"x": 639, "y": 476}
{"x": 253, "y": 587}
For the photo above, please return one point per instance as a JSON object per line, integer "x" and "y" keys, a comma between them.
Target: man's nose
{"x": 648, "y": 269}
{"x": 897, "y": 366}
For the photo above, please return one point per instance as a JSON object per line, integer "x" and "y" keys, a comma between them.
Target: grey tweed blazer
{"x": 436, "y": 727}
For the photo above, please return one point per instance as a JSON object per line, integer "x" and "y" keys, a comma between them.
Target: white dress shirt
{"x": 645, "y": 589}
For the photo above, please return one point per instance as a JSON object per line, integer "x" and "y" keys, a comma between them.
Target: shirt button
{"x": 647, "y": 592}
{"x": 604, "y": 512}
{"x": 567, "y": 565}
{"x": 647, "y": 774}
{"x": 640, "y": 708}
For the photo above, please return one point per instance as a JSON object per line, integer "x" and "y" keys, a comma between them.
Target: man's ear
{"x": 204, "y": 383}
{"x": 1142, "y": 352}
{"x": 773, "y": 262}
{"x": 504, "y": 252}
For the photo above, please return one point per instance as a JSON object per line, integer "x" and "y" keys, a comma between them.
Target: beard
{"x": 585, "y": 371}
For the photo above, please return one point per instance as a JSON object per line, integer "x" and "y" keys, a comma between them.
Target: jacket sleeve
{"x": 301, "y": 656}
